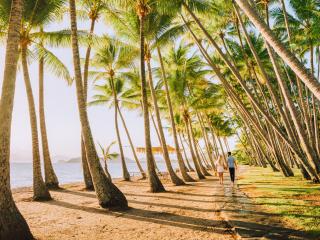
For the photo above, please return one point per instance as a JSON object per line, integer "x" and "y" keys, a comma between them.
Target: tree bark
{"x": 51, "y": 179}
{"x": 40, "y": 191}
{"x": 173, "y": 176}
{"x": 186, "y": 177}
{"x": 131, "y": 144}
{"x": 125, "y": 173}
{"x": 185, "y": 154}
{"x": 154, "y": 181}
{"x": 12, "y": 224}
{"x": 288, "y": 57}
{"x": 108, "y": 194}
{"x": 193, "y": 156}
{"x": 85, "y": 168}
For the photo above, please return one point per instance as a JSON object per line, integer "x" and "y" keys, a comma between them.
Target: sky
{"x": 62, "y": 117}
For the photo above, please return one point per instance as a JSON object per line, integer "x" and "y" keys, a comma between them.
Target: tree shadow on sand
{"x": 163, "y": 218}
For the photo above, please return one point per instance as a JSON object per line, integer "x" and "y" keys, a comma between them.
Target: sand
{"x": 183, "y": 212}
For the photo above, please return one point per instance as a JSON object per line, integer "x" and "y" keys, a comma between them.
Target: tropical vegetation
{"x": 205, "y": 69}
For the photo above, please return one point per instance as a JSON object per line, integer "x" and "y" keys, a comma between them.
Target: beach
{"x": 184, "y": 212}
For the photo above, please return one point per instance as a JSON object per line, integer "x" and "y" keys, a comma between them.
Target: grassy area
{"x": 294, "y": 199}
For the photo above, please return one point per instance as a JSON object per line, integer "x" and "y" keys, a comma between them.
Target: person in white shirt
{"x": 220, "y": 166}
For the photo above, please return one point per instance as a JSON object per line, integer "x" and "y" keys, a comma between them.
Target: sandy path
{"x": 184, "y": 212}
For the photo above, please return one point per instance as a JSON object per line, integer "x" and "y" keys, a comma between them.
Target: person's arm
{"x": 235, "y": 164}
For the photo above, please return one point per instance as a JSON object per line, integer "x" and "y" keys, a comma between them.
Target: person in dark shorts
{"x": 232, "y": 167}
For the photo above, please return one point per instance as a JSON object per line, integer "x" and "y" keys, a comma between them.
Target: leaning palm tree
{"x": 12, "y": 223}
{"x": 287, "y": 56}
{"x": 108, "y": 194}
{"x": 48, "y": 60}
{"x": 92, "y": 9}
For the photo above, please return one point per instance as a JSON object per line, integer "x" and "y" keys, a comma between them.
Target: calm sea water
{"x": 21, "y": 173}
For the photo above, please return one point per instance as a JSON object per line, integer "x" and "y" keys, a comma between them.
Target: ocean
{"x": 21, "y": 173}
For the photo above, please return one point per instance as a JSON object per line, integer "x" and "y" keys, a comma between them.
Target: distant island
{"x": 78, "y": 160}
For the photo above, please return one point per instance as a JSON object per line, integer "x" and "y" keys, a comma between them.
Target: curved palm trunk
{"x": 193, "y": 155}
{"x": 236, "y": 99}
{"x": 51, "y": 179}
{"x": 108, "y": 194}
{"x": 85, "y": 168}
{"x": 155, "y": 183}
{"x": 125, "y": 173}
{"x": 193, "y": 139}
{"x": 288, "y": 57}
{"x": 131, "y": 144}
{"x": 40, "y": 191}
{"x": 12, "y": 224}
{"x": 173, "y": 176}
{"x": 186, "y": 177}
{"x": 185, "y": 154}
{"x": 206, "y": 141}
{"x": 309, "y": 151}
{"x": 106, "y": 170}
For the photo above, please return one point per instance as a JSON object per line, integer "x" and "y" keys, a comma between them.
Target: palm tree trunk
{"x": 288, "y": 57}
{"x": 236, "y": 99}
{"x": 51, "y": 179}
{"x": 193, "y": 156}
{"x": 185, "y": 154}
{"x": 286, "y": 21}
{"x": 108, "y": 194}
{"x": 154, "y": 181}
{"x": 131, "y": 144}
{"x": 309, "y": 151}
{"x": 12, "y": 224}
{"x": 85, "y": 168}
{"x": 125, "y": 173}
{"x": 193, "y": 141}
{"x": 106, "y": 170}
{"x": 186, "y": 177}
{"x": 173, "y": 176}
{"x": 206, "y": 141}
{"x": 40, "y": 191}
{"x": 88, "y": 183}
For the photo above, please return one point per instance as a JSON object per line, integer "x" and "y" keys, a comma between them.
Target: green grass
{"x": 297, "y": 201}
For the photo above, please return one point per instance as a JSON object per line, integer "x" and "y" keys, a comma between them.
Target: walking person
{"x": 232, "y": 167}
{"x": 220, "y": 166}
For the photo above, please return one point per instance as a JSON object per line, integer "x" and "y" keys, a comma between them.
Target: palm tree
{"x": 112, "y": 58}
{"x": 48, "y": 60}
{"x": 142, "y": 9}
{"x": 108, "y": 194}
{"x": 180, "y": 70}
{"x": 107, "y": 155}
{"x": 287, "y": 56}
{"x": 12, "y": 223}
{"x": 30, "y": 20}
{"x": 124, "y": 96}
{"x": 93, "y": 10}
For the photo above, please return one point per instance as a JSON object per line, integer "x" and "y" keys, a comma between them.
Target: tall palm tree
{"x": 93, "y": 10}
{"x": 30, "y": 20}
{"x": 112, "y": 58}
{"x": 288, "y": 57}
{"x": 125, "y": 97}
{"x": 48, "y": 60}
{"x": 12, "y": 223}
{"x": 108, "y": 194}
